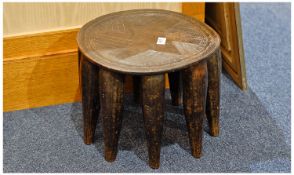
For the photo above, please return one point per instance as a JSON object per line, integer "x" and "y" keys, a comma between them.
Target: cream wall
{"x": 24, "y": 18}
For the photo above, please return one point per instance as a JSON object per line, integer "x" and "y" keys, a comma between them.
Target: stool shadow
{"x": 248, "y": 133}
{"x": 132, "y": 136}
{"x": 174, "y": 129}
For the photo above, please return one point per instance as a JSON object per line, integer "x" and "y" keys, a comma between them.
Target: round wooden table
{"x": 147, "y": 44}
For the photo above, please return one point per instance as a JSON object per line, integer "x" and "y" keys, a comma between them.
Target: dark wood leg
{"x": 153, "y": 110}
{"x": 194, "y": 99}
{"x": 79, "y": 58}
{"x": 175, "y": 87}
{"x": 137, "y": 89}
{"x": 213, "y": 93}
{"x": 89, "y": 78}
{"x": 79, "y": 68}
{"x": 112, "y": 91}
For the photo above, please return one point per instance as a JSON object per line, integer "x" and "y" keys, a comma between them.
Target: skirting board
{"x": 40, "y": 70}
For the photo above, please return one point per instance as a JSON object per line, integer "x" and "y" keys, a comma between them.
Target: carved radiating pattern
{"x": 149, "y": 57}
{"x": 126, "y": 41}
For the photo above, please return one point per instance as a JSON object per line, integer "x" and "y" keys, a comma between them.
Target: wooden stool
{"x": 146, "y": 44}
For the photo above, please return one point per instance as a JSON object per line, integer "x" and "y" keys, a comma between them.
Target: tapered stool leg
{"x": 80, "y": 69}
{"x": 89, "y": 83}
{"x": 175, "y": 87}
{"x": 137, "y": 89}
{"x": 213, "y": 93}
{"x": 153, "y": 112}
{"x": 112, "y": 91}
{"x": 194, "y": 100}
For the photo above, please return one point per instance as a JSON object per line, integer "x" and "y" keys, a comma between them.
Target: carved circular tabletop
{"x": 146, "y": 41}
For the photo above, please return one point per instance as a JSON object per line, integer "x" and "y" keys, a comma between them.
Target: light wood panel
{"x": 40, "y": 44}
{"x": 21, "y": 18}
{"x": 40, "y": 81}
{"x": 194, "y": 9}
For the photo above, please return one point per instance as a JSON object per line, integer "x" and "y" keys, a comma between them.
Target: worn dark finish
{"x": 175, "y": 87}
{"x": 194, "y": 100}
{"x": 213, "y": 92}
{"x": 112, "y": 90}
{"x": 137, "y": 89}
{"x": 90, "y": 97}
{"x": 79, "y": 68}
{"x": 79, "y": 59}
{"x": 153, "y": 111}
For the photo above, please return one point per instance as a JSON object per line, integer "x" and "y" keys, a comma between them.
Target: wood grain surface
{"x": 153, "y": 111}
{"x": 40, "y": 44}
{"x": 40, "y": 81}
{"x": 35, "y": 17}
{"x": 89, "y": 81}
{"x": 194, "y": 100}
{"x": 127, "y": 41}
{"x": 194, "y": 9}
{"x": 214, "y": 65}
{"x": 112, "y": 95}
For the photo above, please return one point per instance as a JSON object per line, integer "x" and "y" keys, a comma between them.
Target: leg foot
{"x": 112, "y": 90}
{"x": 194, "y": 99}
{"x": 153, "y": 110}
